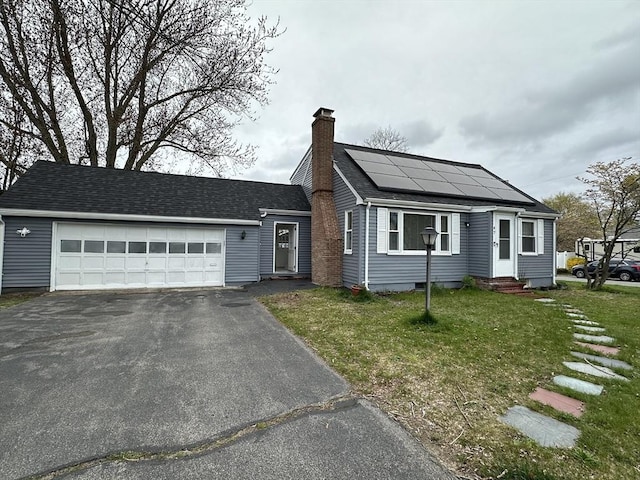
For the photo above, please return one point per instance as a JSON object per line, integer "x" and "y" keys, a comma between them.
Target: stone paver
{"x": 600, "y": 348}
{"x": 547, "y": 431}
{"x": 585, "y": 322}
{"x": 594, "y": 338}
{"x": 602, "y": 372}
{"x": 558, "y": 401}
{"x": 576, "y": 315}
{"x": 544, "y": 300}
{"x": 578, "y": 385}
{"x": 573, "y": 310}
{"x": 587, "y": 328}
{"x": 607, "y": 362}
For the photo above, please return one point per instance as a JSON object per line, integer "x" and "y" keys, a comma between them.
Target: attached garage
{"x": 120, "y": 256}
{"x": 69, "y": 227}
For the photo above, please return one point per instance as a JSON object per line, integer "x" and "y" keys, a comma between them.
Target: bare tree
{"x": 123, "y": 83}
{"x": 387, "y": 139}
{"x": 614, "y": 191}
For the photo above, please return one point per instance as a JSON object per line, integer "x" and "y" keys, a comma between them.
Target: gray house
{"x": 352, "y": 215}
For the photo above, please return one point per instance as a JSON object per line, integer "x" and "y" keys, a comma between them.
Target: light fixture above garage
{"x": 243, "y": 235}
{"x": 23, "y": 232}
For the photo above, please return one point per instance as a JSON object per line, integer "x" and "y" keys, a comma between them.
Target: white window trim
{"x": 435, "y": 251}
{"x": 538, "y": 237}
{"x": 347, "y": 213}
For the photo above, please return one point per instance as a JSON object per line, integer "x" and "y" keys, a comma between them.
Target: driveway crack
{"x": 207, "y": 446}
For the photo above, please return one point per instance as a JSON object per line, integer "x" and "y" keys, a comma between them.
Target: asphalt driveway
{"x": 182, "y": 384}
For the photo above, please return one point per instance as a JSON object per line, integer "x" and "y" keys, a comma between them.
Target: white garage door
{"x": 116, "y": 256}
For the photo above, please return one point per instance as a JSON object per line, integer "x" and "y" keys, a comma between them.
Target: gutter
{"x": 118, "y": 217}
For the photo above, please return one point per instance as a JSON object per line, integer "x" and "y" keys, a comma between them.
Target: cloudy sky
{"x": 534, "y": 91}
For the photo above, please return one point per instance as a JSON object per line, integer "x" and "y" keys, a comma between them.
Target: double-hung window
{"x": 531, "y": 236}
{"x": 348, "y": 231}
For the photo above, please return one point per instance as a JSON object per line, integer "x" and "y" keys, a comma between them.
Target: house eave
{"x": 290, "y": 213}
{"x": 388, "y": 202}
{"x": 16, "y": 212}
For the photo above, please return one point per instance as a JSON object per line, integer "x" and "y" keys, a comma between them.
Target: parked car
{"x": 626, "y": 270}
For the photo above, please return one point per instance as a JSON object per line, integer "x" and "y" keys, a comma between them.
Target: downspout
{"x": 516, "y": 248}
{"x": 366, "y": 247}
{"x": 1, "y": 251}
{"x": 554, "y": 252}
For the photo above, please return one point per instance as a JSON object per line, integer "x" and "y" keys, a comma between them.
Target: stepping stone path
{"x": 545, "y": 430}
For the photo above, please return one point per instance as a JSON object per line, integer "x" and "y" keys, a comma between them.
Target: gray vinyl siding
{"x": 479, "y": 244}
{"x": 303, "y": 175}
{"x": 345, "y": 200}
{"x": 537, "y": 270}
{"x": 267, "y": 237}
{"x": 27, "y": 260}
{"x": 241, "y": 255}
{"x": 402, "y": 272}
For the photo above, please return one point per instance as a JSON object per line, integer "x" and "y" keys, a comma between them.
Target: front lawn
{"x": 448, "y": 382}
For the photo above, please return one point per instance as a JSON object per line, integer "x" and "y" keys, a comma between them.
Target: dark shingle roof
{"x": 367, "y": 189}
{"x": 70, "y": 188}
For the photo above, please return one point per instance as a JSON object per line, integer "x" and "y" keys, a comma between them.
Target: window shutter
{"x": 383, "y": 218}
{"x": 540, "y": 249}
{"x": 519, "y": 231}
{"x": 455, "y": 233}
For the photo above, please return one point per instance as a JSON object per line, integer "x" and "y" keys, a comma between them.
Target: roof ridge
{"x": 164, "y": 174}
{"x": 414, "y": 156}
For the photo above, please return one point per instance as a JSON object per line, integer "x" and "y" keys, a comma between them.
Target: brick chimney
{"x": 326, "y": 238}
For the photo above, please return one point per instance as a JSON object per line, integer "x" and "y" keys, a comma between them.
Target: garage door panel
{"x": 176, "y": 278}
{"x": 115, "y": 278}
{"x": 69, "y": 263}
{"x": 115, "y": 263}
{"x": 177, "y": 263}
{"x": 133, "y": 256}
{"x": 93, "y": 263}
{"x": 136, "y": 263}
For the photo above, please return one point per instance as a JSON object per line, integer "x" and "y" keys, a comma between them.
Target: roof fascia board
{"x": 359, "y": 200}
{"x": 297, "y": 213}
{"x": 385, "y": 202}
{"x": 300, "y": 163}
{"x": 124, "y": 217}
{"x": 522, "y": 211}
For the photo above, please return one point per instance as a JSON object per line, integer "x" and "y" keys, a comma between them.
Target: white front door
{"x": 285, "y": 248}
{"x": 96, "y": 256}
{"x": 504, "y": 245}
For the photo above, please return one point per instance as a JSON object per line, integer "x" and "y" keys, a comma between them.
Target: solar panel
{"x": 433, "y": 177}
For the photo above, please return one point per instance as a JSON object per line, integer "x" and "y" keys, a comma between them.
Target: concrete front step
{"x": 605, "y": 361}
{"x": 600, "y": 348}
{"x": 558, "y": 401}
{"x": 578, "y": 385}
{"x": 546, "y": 431}
{"x": 595, "y": 371}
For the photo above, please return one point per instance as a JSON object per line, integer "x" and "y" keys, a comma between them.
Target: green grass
{"x": 11, "y": 299}
{"x": 450, "y": 378}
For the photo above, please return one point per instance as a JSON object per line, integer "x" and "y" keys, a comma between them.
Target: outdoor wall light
{"x": 243, "y": 235}
{"x": 467, "y": 224}
{"x": 23, "y": 232}
{"x": 429, "y": 235}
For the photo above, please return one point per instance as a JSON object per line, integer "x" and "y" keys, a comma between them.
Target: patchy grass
{"x": 11, "y": 299}
{"x": 450, "y": 379}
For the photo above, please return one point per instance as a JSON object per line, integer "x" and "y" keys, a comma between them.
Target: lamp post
{"x": 429, "y": 235}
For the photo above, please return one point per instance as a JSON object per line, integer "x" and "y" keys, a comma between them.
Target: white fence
{"x": 562, "y": 257}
